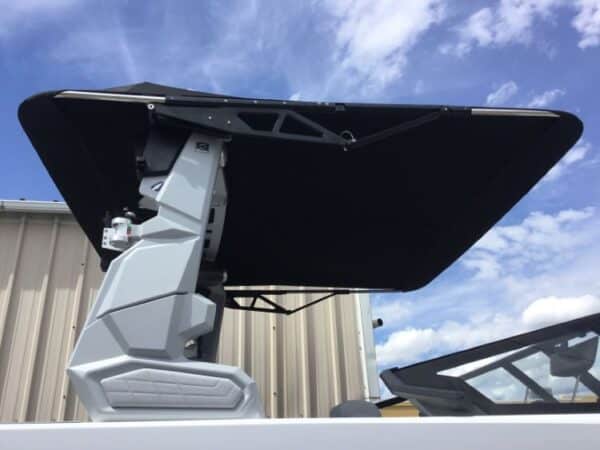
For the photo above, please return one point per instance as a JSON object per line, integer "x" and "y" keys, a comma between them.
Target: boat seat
{"x": 355, "y": 408}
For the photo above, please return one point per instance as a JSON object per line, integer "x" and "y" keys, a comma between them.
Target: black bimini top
{"x": 320, "y": 194}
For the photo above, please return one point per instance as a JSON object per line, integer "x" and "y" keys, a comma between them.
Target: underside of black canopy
{"x": 345, "y": 195}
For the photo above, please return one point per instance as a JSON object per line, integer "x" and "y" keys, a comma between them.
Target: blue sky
{"x": 539, "y": 265}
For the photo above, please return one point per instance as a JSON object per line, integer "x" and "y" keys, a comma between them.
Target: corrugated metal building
{"x": 49, "y": 275}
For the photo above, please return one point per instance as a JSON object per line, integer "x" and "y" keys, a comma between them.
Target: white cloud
{"x": 356, "y": 48}
{"x": 546, "y": 98}
{"x": 414, "y": 344}
{"x": 536, "y": 229}
{"x": 532, "y": 245}
{"x": 373, "y": 39}
{"x": 486, "y": 266}
{"x": 509, "y": 22}
{"x": 575, "y": 155}
{"x": 393, "y": 313}
{"x": 550, "y": 310}
{"x": 406, "y": 345}
{"x": 295, "y": 96}
{"x": 513, "y": 22}
{"x": 477, "y": 30}
{"x": 587, "y": 22}
{"x": 543, "y": 270}
{"x": 501, "y": 95}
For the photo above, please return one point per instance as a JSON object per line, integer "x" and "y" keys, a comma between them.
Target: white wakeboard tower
{"x": 184, "y": 194}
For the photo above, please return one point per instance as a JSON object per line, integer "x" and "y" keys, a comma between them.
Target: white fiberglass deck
{"x": 548, "y": 432}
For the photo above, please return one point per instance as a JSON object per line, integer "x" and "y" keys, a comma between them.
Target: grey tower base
{"x": 130, "y": 361}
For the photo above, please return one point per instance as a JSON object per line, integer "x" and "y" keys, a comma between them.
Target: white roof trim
{"x": 30, "y": 206}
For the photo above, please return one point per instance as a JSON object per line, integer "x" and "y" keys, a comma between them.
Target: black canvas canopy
{"x": 319, "y": 194}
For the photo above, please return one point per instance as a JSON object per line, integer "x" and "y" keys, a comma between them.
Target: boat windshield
{"x": 566, "y": 371}
{"x": 552, "y": 370}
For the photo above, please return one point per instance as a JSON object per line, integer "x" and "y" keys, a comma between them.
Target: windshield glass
{"x": 565, "y": 370}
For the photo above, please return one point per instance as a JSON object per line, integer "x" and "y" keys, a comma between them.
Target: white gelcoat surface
{"x": 549, "y": 432}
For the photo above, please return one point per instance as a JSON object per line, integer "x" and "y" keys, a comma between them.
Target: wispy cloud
{"x": 546, "y": 98}
{"x": 17, "y": 16}
{"x": 587, "y": 22}
{"x": 500, "y": 96}
{"x": 99, "y": 53}
{"x": 509, "y": 22}
{"x": 533, "y": 245}
{"x": 373, "y": 39}
{"x": 575, "y": 155}
{"x": 414, "y": 344}
{"x": 549, "y": 310}
{"x": 513, "y": 22}
{"x": 475, "y": 31}
{"x": 357, "y": 49}
{"x": 545, "y": 271}
{"x": 188, "y": 50}
{"x": 393, "y": 312}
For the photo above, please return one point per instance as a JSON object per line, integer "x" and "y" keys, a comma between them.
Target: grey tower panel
{"x": 129, "y": 363}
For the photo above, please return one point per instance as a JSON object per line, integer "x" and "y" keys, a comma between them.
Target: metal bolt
{"x": 209, "y": 117}
{"x": 229, "y": 122}
{"x": 150, "y": 106}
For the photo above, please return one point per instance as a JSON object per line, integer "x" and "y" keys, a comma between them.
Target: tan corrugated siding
{"x": 49, "y": 277}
